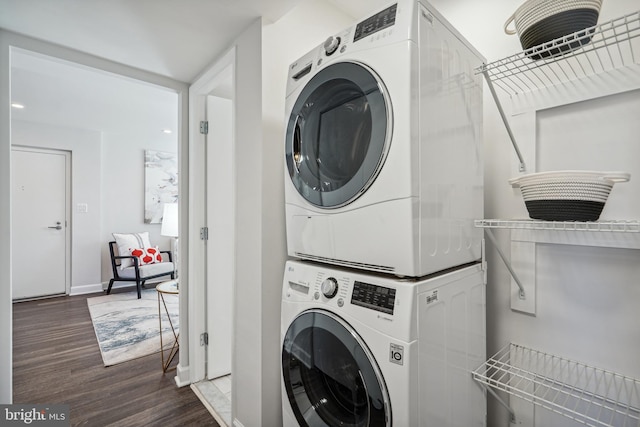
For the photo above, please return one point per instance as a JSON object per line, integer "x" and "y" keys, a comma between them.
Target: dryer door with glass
{"x": 330, "y": 376}
{"x": 338, "y": 134}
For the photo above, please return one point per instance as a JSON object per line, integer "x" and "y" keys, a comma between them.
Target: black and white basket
{"x": 568, "y": 195}
{"x": 540, "y": 21}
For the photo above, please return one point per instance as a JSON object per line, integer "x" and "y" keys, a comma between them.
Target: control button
{"x": 340, "y": 302}
{"x": 343, "y": 48}
{"x": 331, "y": 45}
{"x": 329, "y": 287}
{"x": 316, "y": 295}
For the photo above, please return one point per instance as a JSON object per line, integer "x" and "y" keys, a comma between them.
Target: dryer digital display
{"x": 377, "y": 22}
{"x": 374, "y": 297}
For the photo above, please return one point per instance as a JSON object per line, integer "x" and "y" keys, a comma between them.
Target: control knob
{"x": 329, "y": 287}
{"x": 331, "y": 45}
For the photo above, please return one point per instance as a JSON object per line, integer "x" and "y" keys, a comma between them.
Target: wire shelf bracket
{"x": 589, "y": 395}
{"x": 521, "y": 293}
{"x": 522, "y": 167}
{"x": 524, "y": 295}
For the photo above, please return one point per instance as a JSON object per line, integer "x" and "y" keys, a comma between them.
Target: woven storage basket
{"x": 567, "y": 195}
{"x": 540, "y": 21}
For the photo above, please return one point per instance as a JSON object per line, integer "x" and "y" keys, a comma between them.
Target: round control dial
{"x": 329, "y": 287}
{"x": 331, "y": 45}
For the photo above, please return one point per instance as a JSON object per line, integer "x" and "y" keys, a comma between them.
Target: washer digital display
{"x": 374, "y": 297}
{"x": 377, "y": 22}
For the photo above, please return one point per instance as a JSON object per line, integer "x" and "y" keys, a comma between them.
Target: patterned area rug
{"x": 127, "y": 327}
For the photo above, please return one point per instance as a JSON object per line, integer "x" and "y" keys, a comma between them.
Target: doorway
{"x": 40, "y": 200}
{"x": 104, "y": 120}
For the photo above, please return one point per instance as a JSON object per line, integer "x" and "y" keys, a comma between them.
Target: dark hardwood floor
{"x": 56, "y": 360}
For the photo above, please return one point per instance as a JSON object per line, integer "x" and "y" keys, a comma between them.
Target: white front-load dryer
{"x": 366, "y": 350}
{"x": 383, "y": 146}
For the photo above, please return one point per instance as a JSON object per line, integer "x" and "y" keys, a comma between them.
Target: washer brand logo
{"x": 396, "y": 354}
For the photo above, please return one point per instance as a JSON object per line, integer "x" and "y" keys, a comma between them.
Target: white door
{"x": 39, "y": 214}
{"x": 220, "y": 246}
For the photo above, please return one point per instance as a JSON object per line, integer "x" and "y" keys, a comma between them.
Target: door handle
{"x": 57, "y": 227}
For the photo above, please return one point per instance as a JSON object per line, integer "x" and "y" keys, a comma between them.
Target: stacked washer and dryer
{"x": 383, "y": 300}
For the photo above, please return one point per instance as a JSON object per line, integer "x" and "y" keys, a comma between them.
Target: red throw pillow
{"x": 146, "y": 255}
{"x": 154, "y": 253}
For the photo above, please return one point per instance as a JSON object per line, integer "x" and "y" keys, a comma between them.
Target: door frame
{"x": 8, "y": 42}
{"x": 197, "y": 293}
{"x": 67, "y": 206}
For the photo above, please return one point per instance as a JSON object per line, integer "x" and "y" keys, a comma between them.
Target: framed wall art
{"x": 160, "y": 183}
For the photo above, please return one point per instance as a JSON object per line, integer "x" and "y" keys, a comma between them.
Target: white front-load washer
{"x": 383, "y": 146}
{"x": 365, "y": 349}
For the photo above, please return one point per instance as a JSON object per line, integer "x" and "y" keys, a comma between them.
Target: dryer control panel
{"x": 377, "y": 22}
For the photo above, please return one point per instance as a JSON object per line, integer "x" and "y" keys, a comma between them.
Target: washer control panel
{"x": 375, "y": 297}
{"x": 339, "y": 289}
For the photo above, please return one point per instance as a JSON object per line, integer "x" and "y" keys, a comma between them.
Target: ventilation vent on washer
{"x": 360, "y": 265}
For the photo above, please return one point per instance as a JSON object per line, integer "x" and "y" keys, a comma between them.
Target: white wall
{"x": 247, "y": 370}
{"x": 85, "y": 148}
{"x": 123, "y": 184}
{"x": 6, "y": 320}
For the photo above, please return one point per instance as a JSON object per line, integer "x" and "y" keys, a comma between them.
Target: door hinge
{"x": 204, "y": 233}
{"x": 204, "y": 127}
{"x": 204, "y": 339}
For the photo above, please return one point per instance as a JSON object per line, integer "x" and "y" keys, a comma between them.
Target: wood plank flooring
{"x": 56, "y": 360}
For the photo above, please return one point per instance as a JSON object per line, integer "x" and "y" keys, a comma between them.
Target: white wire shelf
{"x": 612, "y": 45}
{"x": 621, "y": 226}
{"x": 589, "y": 395}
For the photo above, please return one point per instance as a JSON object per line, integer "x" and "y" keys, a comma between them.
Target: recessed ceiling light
{"x": 166, "y": 130}
{"x": 16, "y": 105}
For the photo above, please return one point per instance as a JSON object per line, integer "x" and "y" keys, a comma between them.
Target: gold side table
{"x": 167, "y": 288}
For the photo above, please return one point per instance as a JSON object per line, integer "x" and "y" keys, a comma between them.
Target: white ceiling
{"x": 173, "y": 38}
{"x": 64, "y": 94}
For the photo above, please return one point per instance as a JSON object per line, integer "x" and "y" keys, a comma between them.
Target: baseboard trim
{"x": 101, "y": 287}
{"x": 86, "y": 289}
{"x": 182, "y": 376}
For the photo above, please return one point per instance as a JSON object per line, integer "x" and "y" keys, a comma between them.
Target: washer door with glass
{"x": 338, "y": 134}
{"x": 330, "y": 376}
